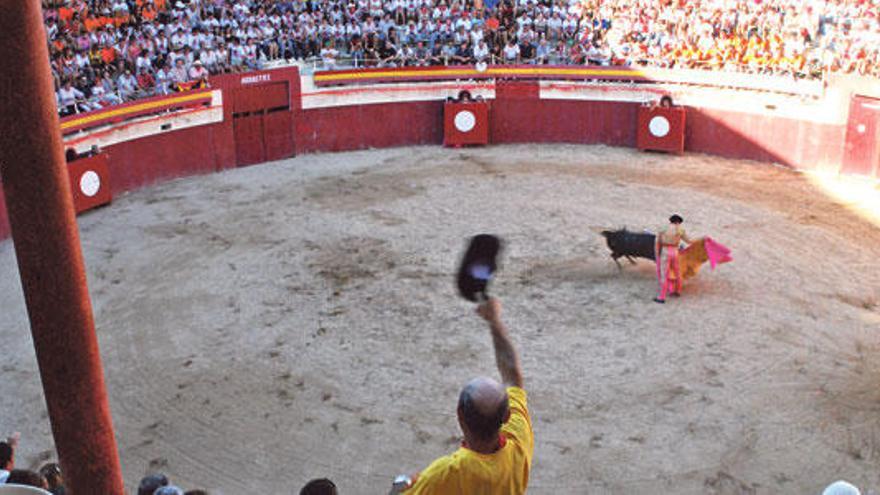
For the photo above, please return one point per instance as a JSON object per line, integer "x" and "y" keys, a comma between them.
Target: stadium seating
{"x": 104, "y": 53}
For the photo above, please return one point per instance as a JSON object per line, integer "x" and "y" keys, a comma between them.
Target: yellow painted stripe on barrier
{"x": 394, "y": 73}
{"x": 536, "y": 71}
{"x": 567, "y": 72}
{"x": 132, "y": 109}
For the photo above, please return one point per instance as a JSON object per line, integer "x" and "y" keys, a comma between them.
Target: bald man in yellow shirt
{"x": 496, "y": 454}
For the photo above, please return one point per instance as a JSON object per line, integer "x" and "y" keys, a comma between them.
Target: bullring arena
{"x": 262, "y": 326}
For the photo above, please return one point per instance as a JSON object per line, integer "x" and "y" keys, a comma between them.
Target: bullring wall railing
{"x": 752, "y": 82}
{"x": 268, "y": 115}
{"x": 132, "y": 110}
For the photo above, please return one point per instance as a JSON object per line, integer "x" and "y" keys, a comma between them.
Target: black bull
{"x": 625, "y": 243}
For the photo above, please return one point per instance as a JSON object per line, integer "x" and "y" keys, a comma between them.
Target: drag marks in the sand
{"x": 353, "y": 259}
{"x": 360, "y": 191}
{"x": 725, "y": 483}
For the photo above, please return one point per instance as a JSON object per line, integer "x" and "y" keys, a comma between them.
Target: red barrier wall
{"x": 369, "y": 126}
{"x": 796, "y": 143}
{"x": 561, "y": 121}
{"x": 150, "y": 160}
{"x": 519, "y": 116}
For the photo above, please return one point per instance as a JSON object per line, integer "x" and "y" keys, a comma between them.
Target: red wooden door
{"x": 249, "y": 147}
{"x": 862, "y": 153}
{"x": 278, "y": 134}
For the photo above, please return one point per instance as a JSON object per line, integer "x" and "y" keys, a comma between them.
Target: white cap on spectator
{"x": 841, "y": 488}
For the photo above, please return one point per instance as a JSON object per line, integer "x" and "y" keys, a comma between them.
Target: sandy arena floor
{"x": 298, "y": 319}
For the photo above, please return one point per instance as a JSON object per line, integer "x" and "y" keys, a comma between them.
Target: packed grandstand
{"x": 104, "y": 52}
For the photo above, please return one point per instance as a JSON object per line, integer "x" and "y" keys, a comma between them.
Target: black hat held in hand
{"x": 478, "y": 266}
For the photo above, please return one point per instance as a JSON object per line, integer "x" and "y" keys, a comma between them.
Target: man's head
{"x": 150, "y": 483}
{"x": 841, "y": 488}
{"x": 7, "y": 456}
{"x": 52, "y": 473}
{"x": 675, "y": 219}
{"x": 26, "y": 477}
{"x": 320, "y": 486}
{"x": 168, "y": 490}
{"x": 482, "y": 409}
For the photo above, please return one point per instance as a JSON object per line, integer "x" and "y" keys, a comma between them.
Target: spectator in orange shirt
{"x": 65, "y": 14}
{"x": 149, "y": 12}
{"x": 108, "y": 55}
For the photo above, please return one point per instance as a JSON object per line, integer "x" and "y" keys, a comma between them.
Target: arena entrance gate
{"x": 262, "y": 123}
{"x": 862, "y": 152}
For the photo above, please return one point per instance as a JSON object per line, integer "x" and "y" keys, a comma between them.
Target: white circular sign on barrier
{"x": 90, "y": 183}
{"x": 658, "y": 126}
{"x": 465, "y": 121}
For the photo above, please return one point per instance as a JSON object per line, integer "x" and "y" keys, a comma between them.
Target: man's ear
{"x": 461, "y": 423}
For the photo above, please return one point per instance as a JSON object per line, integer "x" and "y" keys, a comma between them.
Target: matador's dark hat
{"x": 478, "y": 266}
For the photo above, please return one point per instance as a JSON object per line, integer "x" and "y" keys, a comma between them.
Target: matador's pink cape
{"x": 700, "y": 251}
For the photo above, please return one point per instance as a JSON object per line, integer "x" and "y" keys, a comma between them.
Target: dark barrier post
{"x": 44, "y": 231}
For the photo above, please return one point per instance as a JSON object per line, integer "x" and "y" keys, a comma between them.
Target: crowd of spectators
{"x": 108, "y": 52}
{"x": 158, "y": 484}
{"x": 104, "y": 52}
{"x": 48, "y": 477}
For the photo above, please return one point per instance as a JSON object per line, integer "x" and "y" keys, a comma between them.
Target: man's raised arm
{"x": 505, "y": 355}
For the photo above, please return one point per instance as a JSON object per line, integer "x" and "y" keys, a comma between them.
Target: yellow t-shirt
{"x": 505, "y": 472}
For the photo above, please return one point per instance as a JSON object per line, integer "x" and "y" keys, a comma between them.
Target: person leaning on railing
{"x": 463, "y": 54}
{"x": 70, "y": 100}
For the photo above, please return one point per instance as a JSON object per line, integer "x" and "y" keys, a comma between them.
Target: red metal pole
{"x": 41, "y": 217}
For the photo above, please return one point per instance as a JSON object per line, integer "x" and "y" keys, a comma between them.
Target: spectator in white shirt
{"x": 127, "y": 85}
{"x": 179, "y": 74}
{"x": 198, "y": 72}
{"x": 68, "y": 97}
{"x": 328, "y": 55}
{"x": 164, "y": 79}
{"x": 511, "y": 52}
{"x": 481, "y": 51}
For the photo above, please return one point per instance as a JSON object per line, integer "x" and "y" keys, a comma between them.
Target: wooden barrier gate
{"x": 262, "y": 123}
